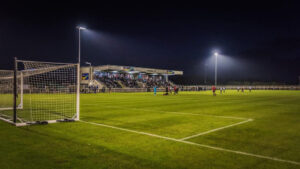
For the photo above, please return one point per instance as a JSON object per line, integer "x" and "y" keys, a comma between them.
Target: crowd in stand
{"x": 109, "y": 82}
{"x": 119, "y": 80}
{"x": 150, "y": 83}
{"x": 128, "y": 82}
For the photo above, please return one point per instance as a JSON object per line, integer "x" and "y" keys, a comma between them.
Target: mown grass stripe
{"x": 196, "y": 144}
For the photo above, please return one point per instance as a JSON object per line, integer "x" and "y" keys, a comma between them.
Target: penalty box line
{"x": 216, "y": 129}
{"x": 196, "y": 144}
{"x": 194, "y": 114}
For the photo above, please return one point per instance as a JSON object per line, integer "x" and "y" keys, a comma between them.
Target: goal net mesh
{"x": 6, "y": 94}
{"x": 6, "y": 89}
{"x": 46, "y": 92}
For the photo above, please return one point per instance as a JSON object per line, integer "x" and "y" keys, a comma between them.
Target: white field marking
{"x": 225, "y": 117}
{"x": 214, "y": 130}
{"x": 196, "y": 144}
{"x": 195, "y": 114}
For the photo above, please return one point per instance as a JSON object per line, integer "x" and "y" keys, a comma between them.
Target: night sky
{"x": 259, "y": 41}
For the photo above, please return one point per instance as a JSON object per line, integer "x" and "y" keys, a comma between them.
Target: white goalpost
{"x": 39, "y": 93}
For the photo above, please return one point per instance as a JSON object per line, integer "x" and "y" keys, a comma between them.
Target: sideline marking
{"x": 217, "y": 129}
{"x": 196, "y": 144}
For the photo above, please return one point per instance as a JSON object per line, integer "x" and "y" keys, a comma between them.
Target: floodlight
{"x": 81, "y": 28}
{"x": 216, "y": 53}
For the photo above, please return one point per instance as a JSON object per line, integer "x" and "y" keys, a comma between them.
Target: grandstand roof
{"x": 133, "y": 69}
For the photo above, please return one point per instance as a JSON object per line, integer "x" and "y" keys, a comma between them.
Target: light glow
{"x": 81, "y": 28}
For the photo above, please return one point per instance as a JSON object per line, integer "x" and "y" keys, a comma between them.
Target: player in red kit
{"x": 214, "y": 90}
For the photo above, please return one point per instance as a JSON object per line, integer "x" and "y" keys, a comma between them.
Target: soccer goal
{"x": 39, "y": 93}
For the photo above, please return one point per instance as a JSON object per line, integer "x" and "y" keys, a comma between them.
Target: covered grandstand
{"x": 119, "y": 78}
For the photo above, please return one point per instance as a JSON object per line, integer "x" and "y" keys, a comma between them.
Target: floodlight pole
{"x": 216, "y": 69}
{"x": 78, "y": 75}
{"x": 205, "y": 67}
{"x": 78, "y": 81}
{"x": 79, "y": 46}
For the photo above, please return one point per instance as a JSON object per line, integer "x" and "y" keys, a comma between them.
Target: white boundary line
{"x": 208, "y": 115}
{"x": 195, "y": 114}
{"x": 217, "y": 129}
{"x": 196, "y": 144}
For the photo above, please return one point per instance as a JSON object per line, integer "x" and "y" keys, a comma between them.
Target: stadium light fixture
{"x": 82, "y": 28}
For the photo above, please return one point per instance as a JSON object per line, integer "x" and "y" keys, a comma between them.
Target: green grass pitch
{"x": 139, "y": 130}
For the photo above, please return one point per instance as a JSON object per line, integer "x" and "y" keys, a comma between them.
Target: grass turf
{"x": 274, "y": 132}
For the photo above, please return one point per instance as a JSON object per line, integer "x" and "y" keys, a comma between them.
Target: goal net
{"x": 46, "y": 92}
{"x": 7, "y": 94}
{"x": 6, "y": 89}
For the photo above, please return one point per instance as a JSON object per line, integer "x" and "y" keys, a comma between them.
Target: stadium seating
{"x": 122, "y": 81}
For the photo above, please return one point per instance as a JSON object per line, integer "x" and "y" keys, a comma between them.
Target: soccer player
{"x": 154, "y": 90}
{"x": 175, "y": 88}
{"x": 221, "y": 90}
{"x": 167, "y": 91}
{"x": 170, "y": 89}
{"x": 214, "y": 90}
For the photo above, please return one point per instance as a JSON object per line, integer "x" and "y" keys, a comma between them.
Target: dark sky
{"x": 259, "y": 40}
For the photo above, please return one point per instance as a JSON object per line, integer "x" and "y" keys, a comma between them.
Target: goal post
{"x": 40, "y": 92}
